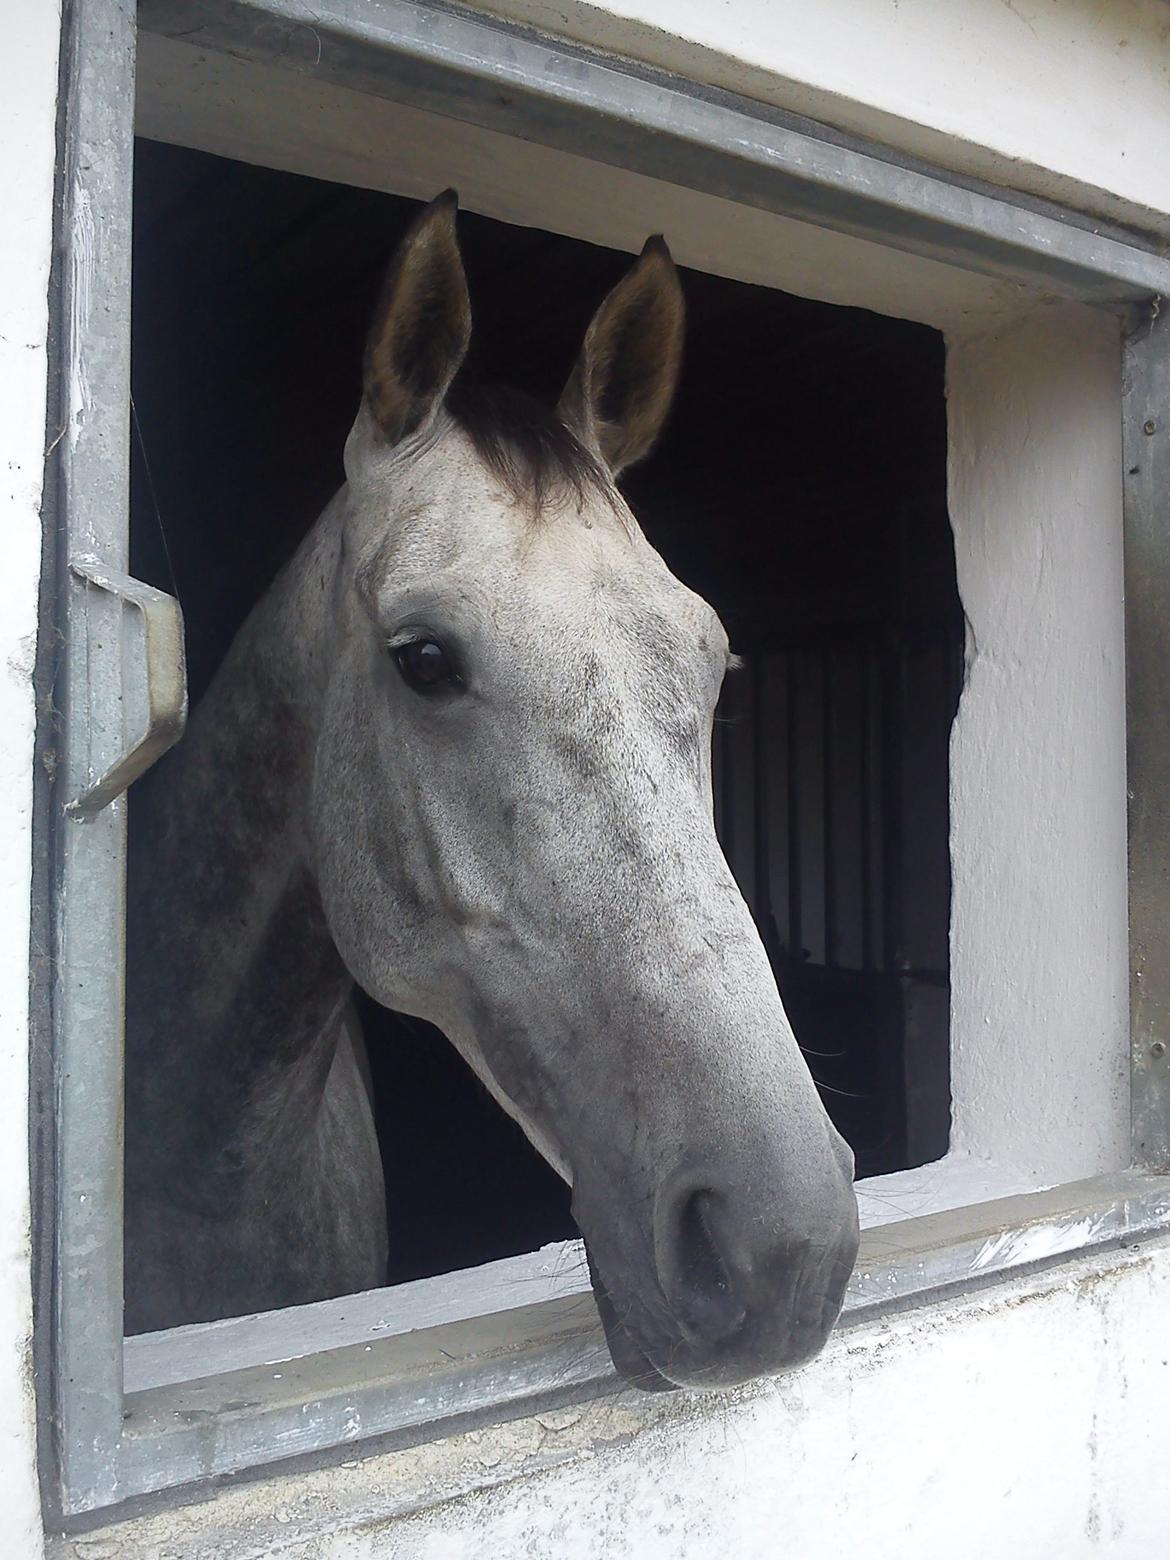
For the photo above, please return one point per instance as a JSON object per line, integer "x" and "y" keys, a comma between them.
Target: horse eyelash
{"x": 735, "y": 663}
{"x": 405, "y": 636}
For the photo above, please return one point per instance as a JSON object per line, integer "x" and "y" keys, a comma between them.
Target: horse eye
{"x": 424, "y": 665}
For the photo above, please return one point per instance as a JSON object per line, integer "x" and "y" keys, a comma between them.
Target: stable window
{"x": 833, "y": 790}
{"x": 829, "y": 559}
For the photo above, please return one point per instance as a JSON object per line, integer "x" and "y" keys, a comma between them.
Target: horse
{"x": 459, "y": 757}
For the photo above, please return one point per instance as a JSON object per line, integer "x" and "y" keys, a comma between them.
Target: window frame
{"x": 459, "y": 1352}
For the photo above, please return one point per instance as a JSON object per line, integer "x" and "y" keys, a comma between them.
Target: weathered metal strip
{"x": 495, "y": 75}
{"x": 90, "y": 899}
{"x": 1147, "y": 636}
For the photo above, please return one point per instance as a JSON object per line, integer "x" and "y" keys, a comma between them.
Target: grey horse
{"x": 459, "y": 755}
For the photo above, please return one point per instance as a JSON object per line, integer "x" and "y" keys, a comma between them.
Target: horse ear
{"x": 620, "y": 390}
{"x": 421, "y": 326}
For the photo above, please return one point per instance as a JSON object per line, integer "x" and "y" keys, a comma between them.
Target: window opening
{"x": 800, "y": 486}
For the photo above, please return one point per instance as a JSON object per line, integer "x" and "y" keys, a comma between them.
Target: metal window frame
{"x": 120, "y": 691}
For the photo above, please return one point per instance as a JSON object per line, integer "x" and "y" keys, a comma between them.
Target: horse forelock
{"x": 530, "y": 451}
{"x": 541, "y": 471}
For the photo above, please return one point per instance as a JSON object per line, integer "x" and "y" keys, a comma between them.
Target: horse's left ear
{"x": 422, "y": 324}
{"x": 619, "y": 393}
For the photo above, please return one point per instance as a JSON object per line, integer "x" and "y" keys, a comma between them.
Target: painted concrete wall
{"x": 1038, "y": 748}
{"x": 1027, "y": 1420}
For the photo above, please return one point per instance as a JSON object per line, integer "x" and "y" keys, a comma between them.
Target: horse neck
{"x": 234, "y": 982}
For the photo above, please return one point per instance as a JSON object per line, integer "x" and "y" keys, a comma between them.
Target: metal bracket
{"x": 154, "y": 689}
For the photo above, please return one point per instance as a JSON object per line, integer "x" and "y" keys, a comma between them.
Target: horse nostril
{"x": 703, "y": 1288}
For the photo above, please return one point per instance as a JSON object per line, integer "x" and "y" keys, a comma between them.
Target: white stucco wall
{"x": 1039, "y": 965}
{"x": 1029, "y": 1419}
{"x": 28, "y": 81}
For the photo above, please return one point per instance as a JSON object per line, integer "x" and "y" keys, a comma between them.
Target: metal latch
{"x": 153, "y": 677}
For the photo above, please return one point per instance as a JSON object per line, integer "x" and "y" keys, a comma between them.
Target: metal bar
{"x": 486, "y": 72}
{"x": 761, "y": 803}
{"x": 829, "y": 836}
{"x": 90, "y": 899}
{"x": 890, "y": 694}
{"x": 431, "y": 1380}
{"x": 793, "y": 820}
{"x": 863, "y": 785}
{"x": 1147, "y": 633}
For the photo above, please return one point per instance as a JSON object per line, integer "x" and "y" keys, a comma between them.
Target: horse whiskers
{"x": 846, "y": 1094}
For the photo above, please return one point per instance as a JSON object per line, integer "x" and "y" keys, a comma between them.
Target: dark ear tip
{"x": 656, "y": 247}
{"x": 431, "y": 221}
{"x": 442, "y": 209}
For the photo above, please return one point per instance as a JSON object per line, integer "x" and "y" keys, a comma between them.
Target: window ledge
{"x": 208, "y": 1400}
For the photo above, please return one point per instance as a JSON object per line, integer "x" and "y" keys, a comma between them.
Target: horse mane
{"x": 526, "y": 446}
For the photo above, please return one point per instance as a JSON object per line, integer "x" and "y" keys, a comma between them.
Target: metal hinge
{"x": 153, "y": 676}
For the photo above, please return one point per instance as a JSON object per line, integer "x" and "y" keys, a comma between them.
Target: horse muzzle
{"x": 735, "y": 1286}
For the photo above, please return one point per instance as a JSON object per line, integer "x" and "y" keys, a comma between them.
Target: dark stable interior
{"x": 800, "y": 486}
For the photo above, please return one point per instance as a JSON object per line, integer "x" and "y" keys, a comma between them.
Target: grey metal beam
{"x": 90, "y": 901}
{"x": 500, "y": 77}
{"x": 1147, "y": 637}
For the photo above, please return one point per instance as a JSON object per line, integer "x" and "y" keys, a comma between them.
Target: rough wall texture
{"x": 1038, "y": 946}
{"x": 1025, "y": 1422}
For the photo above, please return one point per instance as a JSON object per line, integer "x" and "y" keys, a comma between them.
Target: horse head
{"x": 512, "y": 825}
